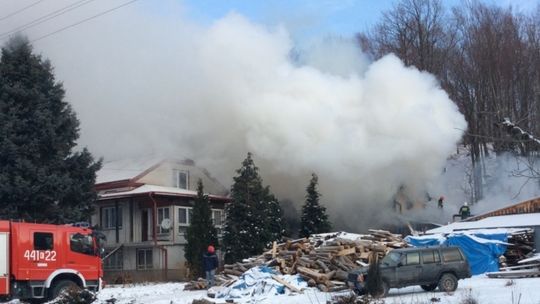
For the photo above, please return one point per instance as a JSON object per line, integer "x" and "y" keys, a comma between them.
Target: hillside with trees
{"x": 486, "y": 57}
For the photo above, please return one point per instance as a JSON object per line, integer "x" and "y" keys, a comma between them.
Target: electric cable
{"x": 20, "y": 10}
{"x": 84, "y": 20}
{"x": 47, "y": 17}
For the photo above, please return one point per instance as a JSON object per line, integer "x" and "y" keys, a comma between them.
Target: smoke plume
{"x": 152, "y": 82}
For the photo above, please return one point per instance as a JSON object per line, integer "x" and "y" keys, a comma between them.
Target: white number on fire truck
{"x": 40, "y": 255}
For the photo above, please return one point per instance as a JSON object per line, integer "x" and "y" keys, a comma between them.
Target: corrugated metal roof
{"x": 504, "y": 221}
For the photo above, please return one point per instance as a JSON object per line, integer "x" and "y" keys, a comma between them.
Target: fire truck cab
{"x": 39, "y": 261}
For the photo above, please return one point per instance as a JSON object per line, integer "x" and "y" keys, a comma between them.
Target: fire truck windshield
{"x": 99, "y": 240}
{"x": 82, "y": 243}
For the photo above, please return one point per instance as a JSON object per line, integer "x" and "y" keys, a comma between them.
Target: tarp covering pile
{"x": 481, "y": 249}
{"x": 257, "y": 282}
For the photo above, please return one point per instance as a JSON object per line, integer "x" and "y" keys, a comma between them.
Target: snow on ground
{"x": 481, "y": 288}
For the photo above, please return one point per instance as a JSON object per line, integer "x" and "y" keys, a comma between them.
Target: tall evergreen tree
{"x": 41, "y": 177}
{"x": 247, "y": 226}
{"x": 314, "y": 218}
{"x": 200, "y": 233}
{"x": 274, "y": 217}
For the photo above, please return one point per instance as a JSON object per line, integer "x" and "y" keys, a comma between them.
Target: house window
{"x": 163, "y": 216}
{"x": 217, "y": 217}
{"x": 43, "y": 241}
{"x": 184, "y": 218}
{"x": 181, "y": 179}
{"x": 144, "y": 258}
{"x": 109, "y": 217}
{"x": 115, "y": 261}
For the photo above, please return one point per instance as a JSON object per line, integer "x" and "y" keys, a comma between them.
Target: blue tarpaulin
{"x": 482, "y": 250}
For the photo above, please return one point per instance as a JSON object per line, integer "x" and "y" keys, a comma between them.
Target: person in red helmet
{"x": 210, "y": 264}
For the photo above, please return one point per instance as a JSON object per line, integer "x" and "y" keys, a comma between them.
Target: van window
{"x": 43, "y": 241}
{"x": 412, "y": 258}
{"x": 431, "y": 256}
{"x": 451, "y": 255}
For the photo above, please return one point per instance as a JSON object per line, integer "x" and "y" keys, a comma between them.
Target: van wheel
{"x": 430, "y": 287}
{"x": 448, "y": 282}
{"x": 61, "y": 287}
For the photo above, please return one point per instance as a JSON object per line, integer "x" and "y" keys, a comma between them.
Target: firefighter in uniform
{"x": 465, "y": 211}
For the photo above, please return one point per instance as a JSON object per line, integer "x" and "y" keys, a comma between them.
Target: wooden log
{"x": 347, "y": 261}
{"x": 274, "y": 249}
{"x": 311, "y": 273}
{"x": 364, "y": 255}
{"x": 233, "y": 272}
{"x": 330, "y": 275}
{"x": 304, "y": 263}
{"x": 346, "y": 251}
{"x": 240, "y": 267}
{"x": 322, "y": 287}
{"x": 338, "y": 288}
{"x": 281, "y": 281}
{"x": 322, "y": 266}
{"x": 330, "y": 248}
{"x": 333, "y": 243}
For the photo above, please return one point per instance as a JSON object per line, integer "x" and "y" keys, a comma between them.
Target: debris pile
{"x": 322, "y": 260}
{"x": 522, "y": 246}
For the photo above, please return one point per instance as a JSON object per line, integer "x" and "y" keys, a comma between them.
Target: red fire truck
{"x": 39, "y": 261}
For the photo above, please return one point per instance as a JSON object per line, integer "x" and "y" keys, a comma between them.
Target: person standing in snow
{"x": 465, "y": 211}
{"x": 440, "y": 202}
{"x": 210, "y": 264}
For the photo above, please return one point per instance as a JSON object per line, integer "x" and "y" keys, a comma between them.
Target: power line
{"x": 21, "y": 10}
{"x": 84, "y": 20}
{"x": 47, "y": 17}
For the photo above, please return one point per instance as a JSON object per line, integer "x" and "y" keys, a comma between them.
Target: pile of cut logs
{"x": 322, "y": 260}
{"x": 522, "y": 246}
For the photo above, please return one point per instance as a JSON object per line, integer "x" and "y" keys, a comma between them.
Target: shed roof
{"x": 504, "y": 221}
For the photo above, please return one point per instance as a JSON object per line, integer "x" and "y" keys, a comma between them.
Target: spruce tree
{"x": 274, "y": 217}
{"x": 200, "y": 233}
{"x": 247, "y": 226}
{"x": 314, "y": 218}
{"x": 42, "y": 178}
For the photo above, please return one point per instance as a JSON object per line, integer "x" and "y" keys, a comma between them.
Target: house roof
{"x": 158, "y": 190}
{"x": 125, "y": 169}
{"x": 504, "y": 221}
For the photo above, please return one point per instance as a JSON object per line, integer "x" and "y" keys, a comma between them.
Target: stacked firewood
{"x": 322, "y": 260}
{"x": 522, "y": 246}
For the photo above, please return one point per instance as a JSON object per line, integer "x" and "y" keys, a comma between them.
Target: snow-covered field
{"x": 481, "y": 288}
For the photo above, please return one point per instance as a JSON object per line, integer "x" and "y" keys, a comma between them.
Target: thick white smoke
{"x": 154, "y": 83}
{"x": 374, "y": 128}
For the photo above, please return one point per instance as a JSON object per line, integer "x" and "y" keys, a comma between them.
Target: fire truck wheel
{"x": 62, "y": 286}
